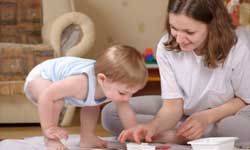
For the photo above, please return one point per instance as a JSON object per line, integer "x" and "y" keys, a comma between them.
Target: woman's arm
{"x": 227, "y": 109}
{"x": 195, "y": 125}
{"x": 168, "y": 116}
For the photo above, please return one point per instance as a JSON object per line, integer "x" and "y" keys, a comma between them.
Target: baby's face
{"x": 116, "y": 91}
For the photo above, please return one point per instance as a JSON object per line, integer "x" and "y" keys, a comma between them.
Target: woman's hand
{"x": 137, "y": 133}
{"x": 55, "y": 133}
{"x": 194, "y": 126}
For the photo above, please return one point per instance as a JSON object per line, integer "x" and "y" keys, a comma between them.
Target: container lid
{"x": 213, "y": 140}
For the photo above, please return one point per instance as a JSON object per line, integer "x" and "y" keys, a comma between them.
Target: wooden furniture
{"x": 16, "y": 60}
{"x": 68, "y": 34}
{"x": 20, "y": 22}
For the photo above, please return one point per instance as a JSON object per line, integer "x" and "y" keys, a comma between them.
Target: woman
{"x": 204, "y": 68}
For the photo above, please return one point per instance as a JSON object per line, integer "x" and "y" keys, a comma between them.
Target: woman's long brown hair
{"x": 221, "y": 36}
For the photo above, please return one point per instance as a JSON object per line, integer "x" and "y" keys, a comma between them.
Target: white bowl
{"x": 213, "y": 143}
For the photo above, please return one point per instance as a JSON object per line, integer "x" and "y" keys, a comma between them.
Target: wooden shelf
{"x": 153, "y": 79}
{"x": 153, "y": 86}
{"x": 150, "y": 66}
{"x": 153, "y": 73}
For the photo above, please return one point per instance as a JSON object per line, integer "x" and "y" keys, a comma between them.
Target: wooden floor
{"x": 22, "y": 131}
{"x": 19, "y": 131}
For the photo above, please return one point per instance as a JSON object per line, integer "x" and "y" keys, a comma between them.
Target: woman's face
{"x": 189, "y": 33}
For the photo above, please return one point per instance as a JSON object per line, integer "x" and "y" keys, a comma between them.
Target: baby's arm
{"x": 126, "y": 114}
{"x": 50, "y": 103}
{"x": 49, "y": 116}
{"x": 89, "y": 117}
{"x": 49, "y": 111}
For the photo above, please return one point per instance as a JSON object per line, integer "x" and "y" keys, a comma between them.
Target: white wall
{"x": 139, "y": 23}
{"x": 55, "y": 8}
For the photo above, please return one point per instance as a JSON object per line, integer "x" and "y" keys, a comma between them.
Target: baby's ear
{"x": 101, "y": 77}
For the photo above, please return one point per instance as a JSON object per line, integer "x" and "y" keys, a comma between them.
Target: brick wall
{"x": 20, "y": 21}
{"x": 16, "y": 61}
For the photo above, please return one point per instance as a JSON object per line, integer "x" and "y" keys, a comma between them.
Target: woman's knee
{"x": 147, "y": 105}
{"x": 238, "y": 122}
{"x": 110, "y": 119}
{"x": 107, "y": 112}
{"x": 244, "y": 112}
{"x": 235, "y": 126}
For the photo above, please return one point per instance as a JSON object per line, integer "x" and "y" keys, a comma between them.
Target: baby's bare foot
{"x": 92, "y": 142}
{"x": 54, "y": 144}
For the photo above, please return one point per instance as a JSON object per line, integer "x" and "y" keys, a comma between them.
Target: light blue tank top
{"x": 62, "y": 67}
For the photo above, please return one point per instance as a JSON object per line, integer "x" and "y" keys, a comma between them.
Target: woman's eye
{"x": 190, "y": 33}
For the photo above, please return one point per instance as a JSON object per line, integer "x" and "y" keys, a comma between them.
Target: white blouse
{"x": 183, "y": 75}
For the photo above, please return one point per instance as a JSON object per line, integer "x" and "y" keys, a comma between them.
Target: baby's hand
{"x": 55, "y": 133}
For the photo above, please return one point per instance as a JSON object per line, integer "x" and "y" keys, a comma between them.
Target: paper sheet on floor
{"x": 36, "y": 143}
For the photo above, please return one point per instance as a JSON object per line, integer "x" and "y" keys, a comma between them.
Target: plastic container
{"x": 142, "y": 146}
{"x": 214, "y": 143}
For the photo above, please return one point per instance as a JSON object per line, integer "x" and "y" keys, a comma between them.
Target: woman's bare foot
{"x": 54, "y": 144}
{"x": 92, "y": 142}
{"x": 170, "y": 137}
